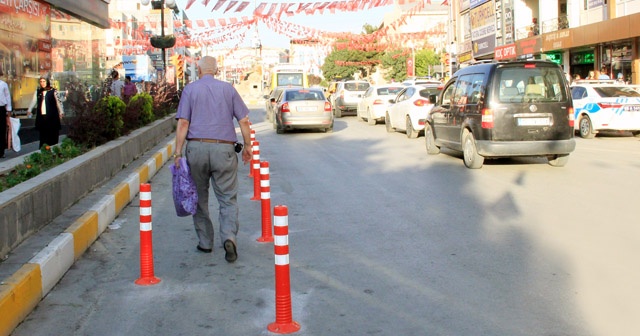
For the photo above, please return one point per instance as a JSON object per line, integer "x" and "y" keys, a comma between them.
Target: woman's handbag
{"x": 185, "y": 194}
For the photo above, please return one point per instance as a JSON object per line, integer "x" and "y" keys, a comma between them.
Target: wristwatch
{"x": 177, "y": 155}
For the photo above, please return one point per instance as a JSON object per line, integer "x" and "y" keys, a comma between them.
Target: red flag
{"x": 218, "y": 5}
{"x": 189, "y": 3}
{"x": 231, "y": 4}
{"x": 242, "y": 6}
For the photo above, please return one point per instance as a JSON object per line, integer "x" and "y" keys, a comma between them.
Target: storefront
{"x": 63, "y": 41}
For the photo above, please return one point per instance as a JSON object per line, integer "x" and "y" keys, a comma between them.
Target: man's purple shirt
{"x": 210, "y": 106}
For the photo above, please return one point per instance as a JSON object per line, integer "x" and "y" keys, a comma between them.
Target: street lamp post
{"x": 160, "y": 4}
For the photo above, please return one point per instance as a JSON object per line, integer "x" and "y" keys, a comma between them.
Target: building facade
{"x": 54, "y": 38}
{"x": 582, "y": 36}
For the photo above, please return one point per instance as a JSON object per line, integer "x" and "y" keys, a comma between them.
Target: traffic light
{"x": 179, "y": 63}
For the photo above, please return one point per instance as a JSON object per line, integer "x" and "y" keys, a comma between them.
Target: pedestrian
{"x": 48, "y": 113}
{"x": 5, "y": 112}
{"x": 129, "y": 89}
{"x": 205, "y": 122}
{"x": 117, "y": 85}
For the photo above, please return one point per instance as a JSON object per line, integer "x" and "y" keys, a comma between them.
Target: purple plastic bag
{"x": 185, "y": 194}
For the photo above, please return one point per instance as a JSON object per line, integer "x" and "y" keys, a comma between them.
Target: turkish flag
{"x": 410, "y": 67}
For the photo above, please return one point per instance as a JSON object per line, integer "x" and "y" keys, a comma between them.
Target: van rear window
{"x": 534, "y": 84}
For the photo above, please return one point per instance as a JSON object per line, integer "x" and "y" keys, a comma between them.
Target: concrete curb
{"x": 23, "y": 290}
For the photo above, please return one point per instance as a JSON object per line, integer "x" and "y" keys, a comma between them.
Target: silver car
{"x": 302, "y": 108}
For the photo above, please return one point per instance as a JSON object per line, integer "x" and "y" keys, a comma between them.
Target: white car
{"x": 602, "y": 106}
{"x": 409, "y": 109}
{"x": 373, "y": 105}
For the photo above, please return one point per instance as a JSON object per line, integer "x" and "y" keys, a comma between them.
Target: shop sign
{"x": 484, "y": 46}
{"x": 554, "y": 57}
{"x": 44, "y": 45}
{"x": 25, "y": 17}
{"x": 529, "y": 46}
{"x": 476, "y": 3}
{"x": 595, "y": 3}
{"x": 505, "y": 52}
{"x": 557, "y": 40}
{"x": 465, "y": 57}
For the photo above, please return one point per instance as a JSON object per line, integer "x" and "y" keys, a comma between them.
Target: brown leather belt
{"x": 212, "y": 141}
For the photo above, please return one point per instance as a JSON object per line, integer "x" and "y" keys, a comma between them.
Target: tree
{"x": 425, "y": 60}
{"x": 395, "y": 64}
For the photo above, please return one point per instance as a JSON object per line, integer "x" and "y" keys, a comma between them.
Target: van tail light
{"x": 378, "y": 102}
{"x": 285, "y": 108}
{"x": 487, "y": 118}
{"x": 572, "y": 117}
{"x": 327, "y": 107}
{"x": 421, "y": 102}
{"x": 609, "y": 105}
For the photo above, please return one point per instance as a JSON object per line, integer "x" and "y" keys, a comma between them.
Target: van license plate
{"x": 533, "y": 122}
{"x": 306, "y": 109}
{"x": 633, "y": 108}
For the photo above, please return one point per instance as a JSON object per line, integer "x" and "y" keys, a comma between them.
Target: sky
{"x": 338, "y": 22}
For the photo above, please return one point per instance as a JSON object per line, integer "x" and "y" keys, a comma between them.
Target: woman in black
{"x": 48, "y": 113}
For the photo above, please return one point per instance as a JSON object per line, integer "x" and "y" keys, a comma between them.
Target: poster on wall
{"x": 25, "y": 47}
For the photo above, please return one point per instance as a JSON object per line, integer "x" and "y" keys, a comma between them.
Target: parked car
{"x": 492, "y": 110}
{"x": 270, "y": 101}
{"x": 604, "y": 105}
{"x": 408, "y": 110}
{"x": 298, "y": 108}
{"x": 347, "y": 96}
{"x": 373, "y": 105}
{"x": 421, "y": 80}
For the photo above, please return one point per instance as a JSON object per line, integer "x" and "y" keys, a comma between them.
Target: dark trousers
{"x": 49, "y": 136}
{"x": 3, "y": 127}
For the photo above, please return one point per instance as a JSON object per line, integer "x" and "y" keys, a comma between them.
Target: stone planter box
{"x": 31, "y": 205}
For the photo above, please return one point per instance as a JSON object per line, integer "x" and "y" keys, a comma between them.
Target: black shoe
{"x": 230, "y": 248}
{"x": 202, "y": 249}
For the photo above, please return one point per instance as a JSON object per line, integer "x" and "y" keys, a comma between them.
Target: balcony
{"x": 559, "y": 23}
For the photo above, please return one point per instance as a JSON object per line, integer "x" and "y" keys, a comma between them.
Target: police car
{"x": 604, "y": 105}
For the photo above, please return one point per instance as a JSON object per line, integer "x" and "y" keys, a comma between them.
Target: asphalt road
{"x": 384, "y": 240}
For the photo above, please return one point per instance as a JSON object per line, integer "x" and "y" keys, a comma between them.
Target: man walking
{"x": 205, "y": 121}
{"x": 5, "y": 113}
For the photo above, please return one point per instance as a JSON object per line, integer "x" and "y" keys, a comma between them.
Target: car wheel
{"x": 329, "y": 130}
{"x": 370, "y": 120}
{"x": 559, "y": 160}
{"x": 279, "y": 129}
{"x": 430, "y": 140}
{"x": 338, "y": 113}
{"x": 472, "y": 159}
{"x": 586, "y": 131}
{"x": 411, "y": 133}
{"x": 387, "y": 124}
{"x": 636, "y": 134}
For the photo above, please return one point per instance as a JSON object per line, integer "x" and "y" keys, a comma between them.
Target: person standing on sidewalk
{"x": 205, "y": 122}
{"x": 5, "y": 111}
{"x": 48, "y": 113}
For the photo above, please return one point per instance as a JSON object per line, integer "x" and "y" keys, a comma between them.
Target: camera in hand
{"x": 238, "y": 147}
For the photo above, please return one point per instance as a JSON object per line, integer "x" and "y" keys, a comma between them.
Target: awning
{"x": 95, "y": 12}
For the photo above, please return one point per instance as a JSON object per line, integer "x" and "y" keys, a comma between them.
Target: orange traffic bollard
{"x": 255, "y": 166}
{"x": 251, "y": 143}
{"x": 284, "y": 323}
{"x": 146, "y": 244}
{"x": 265, "y": 196}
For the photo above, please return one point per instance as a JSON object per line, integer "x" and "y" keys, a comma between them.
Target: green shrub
{"x": 111, "y": 108}
{"x": 48, "y": 157}
{"x": 139, "y": 112}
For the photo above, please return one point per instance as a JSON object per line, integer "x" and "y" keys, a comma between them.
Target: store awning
{"x": 95, "y": 12}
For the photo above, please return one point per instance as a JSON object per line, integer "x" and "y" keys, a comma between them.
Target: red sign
{"x": 410, "y": 67}
{"x": 505, "y": 52}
